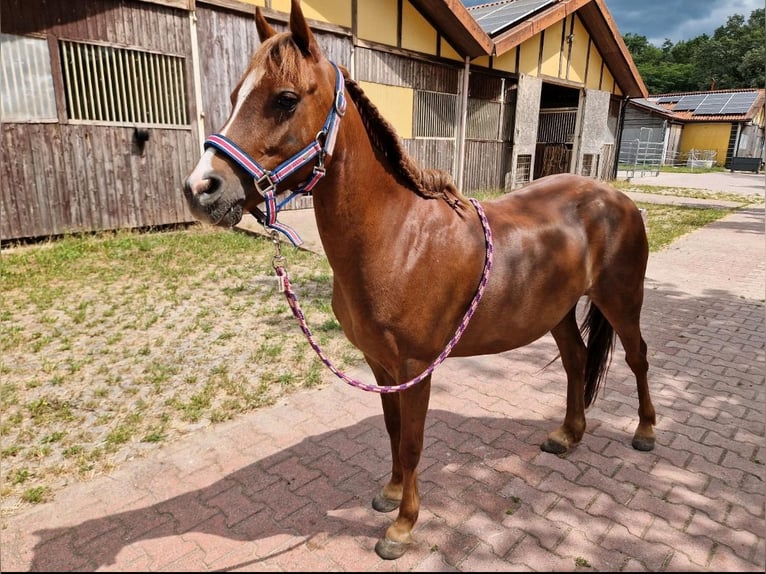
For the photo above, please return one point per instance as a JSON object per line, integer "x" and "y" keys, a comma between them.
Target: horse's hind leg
{"x": 573, "y": 353}
{"x": 629, "y": 332}
{"x": 626, "y": 323}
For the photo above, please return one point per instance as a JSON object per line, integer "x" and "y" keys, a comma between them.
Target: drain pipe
{"x": 460, "y": 151}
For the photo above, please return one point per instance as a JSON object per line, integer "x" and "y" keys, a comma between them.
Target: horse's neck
{"x": 361, "y": 197}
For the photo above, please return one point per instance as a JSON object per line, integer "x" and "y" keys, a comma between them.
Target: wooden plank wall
{"x": 66, "y": 177}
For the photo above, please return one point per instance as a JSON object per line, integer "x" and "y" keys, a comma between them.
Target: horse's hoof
{"x": 384, "y": 504}
{"x": 390, "y": 549}
{"x": 553, "y": 447}
{"x": 643, "y": 443}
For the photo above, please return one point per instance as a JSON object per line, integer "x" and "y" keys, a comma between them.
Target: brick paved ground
{"x": 289, "y": 488}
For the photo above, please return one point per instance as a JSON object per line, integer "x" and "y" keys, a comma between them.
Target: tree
{"x": 733, "y": 57}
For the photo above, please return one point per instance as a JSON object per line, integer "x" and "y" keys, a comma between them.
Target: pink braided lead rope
{"x": 292, "y": 300}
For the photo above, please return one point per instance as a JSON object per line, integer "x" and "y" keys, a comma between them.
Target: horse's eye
{"x": 287, "y": 101}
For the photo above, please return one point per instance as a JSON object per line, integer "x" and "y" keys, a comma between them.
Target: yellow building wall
{"x": 552, "y": 50}
{"x": 706, "y": 137}
{"x": 330, "y": 11}
{"x": 447, "y": 51}
{"x": 395, "y": 103}
{"x": 578, "y": 57}
{"x": 607, "y": 81}
{"x": 593, "y": 81}
{"x": 482, "y": 61}
{"x": 506, "y": 62}
{"x": 417, "y": 34}
{"x": 529, "y": 54}
{"x": 376, "y": 21}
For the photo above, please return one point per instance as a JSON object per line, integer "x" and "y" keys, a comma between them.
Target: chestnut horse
{"x": 407, "y": 249}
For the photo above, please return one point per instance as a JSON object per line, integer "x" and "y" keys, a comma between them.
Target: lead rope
{"x": 292, "y": 301}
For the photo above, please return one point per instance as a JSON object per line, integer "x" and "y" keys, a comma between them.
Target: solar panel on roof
{"x": 494, "y": 18}
{"x": 740, "y": 103}
{"x": 668, "y": 99}
{"x": 687, "y": 103}
{"x": 712, "y": 104}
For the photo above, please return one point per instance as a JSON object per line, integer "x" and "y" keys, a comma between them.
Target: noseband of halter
{"x": 266, "y": 180}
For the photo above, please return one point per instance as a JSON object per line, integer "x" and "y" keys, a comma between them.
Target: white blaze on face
{"x": 248, "y": 85}
{"x": 205, "y": 164}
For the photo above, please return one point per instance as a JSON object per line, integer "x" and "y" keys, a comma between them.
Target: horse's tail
{"x": 600, "y": 336}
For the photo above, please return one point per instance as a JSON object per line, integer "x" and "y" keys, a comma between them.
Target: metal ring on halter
{"x": 267, "y": 177}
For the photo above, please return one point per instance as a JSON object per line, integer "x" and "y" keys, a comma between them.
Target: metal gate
{"x": 641, "y": 156}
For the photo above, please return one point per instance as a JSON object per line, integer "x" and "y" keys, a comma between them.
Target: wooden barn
{"x": 105, "y": 103}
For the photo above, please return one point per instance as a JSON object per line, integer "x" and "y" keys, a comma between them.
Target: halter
{"x": 266, "y": 181}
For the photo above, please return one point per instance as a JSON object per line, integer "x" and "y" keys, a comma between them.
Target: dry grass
{"x": 115, "y": 343}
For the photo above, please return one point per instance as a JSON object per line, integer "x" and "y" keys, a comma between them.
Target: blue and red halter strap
{"x": 266, "y": 181}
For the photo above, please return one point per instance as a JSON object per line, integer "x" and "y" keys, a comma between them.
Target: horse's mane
{"x": 429, "y": 183}
{"x": 282, "y": 57}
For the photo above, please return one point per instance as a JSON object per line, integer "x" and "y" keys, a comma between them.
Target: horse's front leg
{"x": 405, "y": 417}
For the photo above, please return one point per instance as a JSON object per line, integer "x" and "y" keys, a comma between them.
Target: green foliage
{"x": 733, "y": 57}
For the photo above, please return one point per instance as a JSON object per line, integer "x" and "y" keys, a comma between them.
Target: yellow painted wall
{"x": 395, "y": 103}
{"x": 552, "y": 50}
{"x": 376, "y": 21}
{"x": 417, "y": 34}
{"x": 578, "y": 58}
{"x": 506, "y": 62}
{"x": 331, "y": 11}
{"x": 482, "y": 61}
{"x": 593, "y": 81}
{"x": 447, "y": 51}
{"x": 607, "y": 81}
{"x": 706, "y": 137}
{"x": 529, "y": 55}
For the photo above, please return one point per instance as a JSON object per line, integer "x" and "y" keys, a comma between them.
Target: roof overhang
{"x": 457, "y": 26}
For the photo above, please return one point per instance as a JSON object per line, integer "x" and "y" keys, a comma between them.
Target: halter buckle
{"x": 270, "y": 185}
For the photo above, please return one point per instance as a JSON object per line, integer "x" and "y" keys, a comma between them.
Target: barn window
{"x": 590, "y": 165}
{"x": 26, "y": 84}
{"x": 484, "y": 120}
{"x": 434, "y": 114}
{"x": 523, "y": 169}
{"x": 120, "y": 85}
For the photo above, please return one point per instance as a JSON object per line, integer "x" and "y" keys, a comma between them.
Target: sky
{"x": 676, "y": 20}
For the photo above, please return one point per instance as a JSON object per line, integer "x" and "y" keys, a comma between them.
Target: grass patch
{"x": 115, "y": 342}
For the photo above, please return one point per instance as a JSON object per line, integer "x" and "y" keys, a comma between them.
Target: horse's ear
{"x": 302, "y": 35}
{"x": 265, "y": 31}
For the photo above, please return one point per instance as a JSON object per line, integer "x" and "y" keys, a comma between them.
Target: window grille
{"x": 120, "y": 85}
{"x": 523, "y": 169}
{"x": 435, "y": 114}
{"x": 26, "y": 84}
{"x": 556, "y": 126}
{"x": 590, "y": 164}
{"x": 484, "y": 119}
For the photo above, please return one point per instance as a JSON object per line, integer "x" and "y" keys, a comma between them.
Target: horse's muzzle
{"x": 208, "y": 202}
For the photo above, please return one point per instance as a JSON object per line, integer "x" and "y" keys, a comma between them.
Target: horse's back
{"x": 579, "y": 208}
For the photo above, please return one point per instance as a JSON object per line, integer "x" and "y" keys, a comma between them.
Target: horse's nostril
{"x": 206, "y": 190}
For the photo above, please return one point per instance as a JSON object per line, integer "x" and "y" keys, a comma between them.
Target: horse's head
{"x": 281, "y": 105}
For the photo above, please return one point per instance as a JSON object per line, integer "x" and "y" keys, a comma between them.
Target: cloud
{"x": 676, "y": 20}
